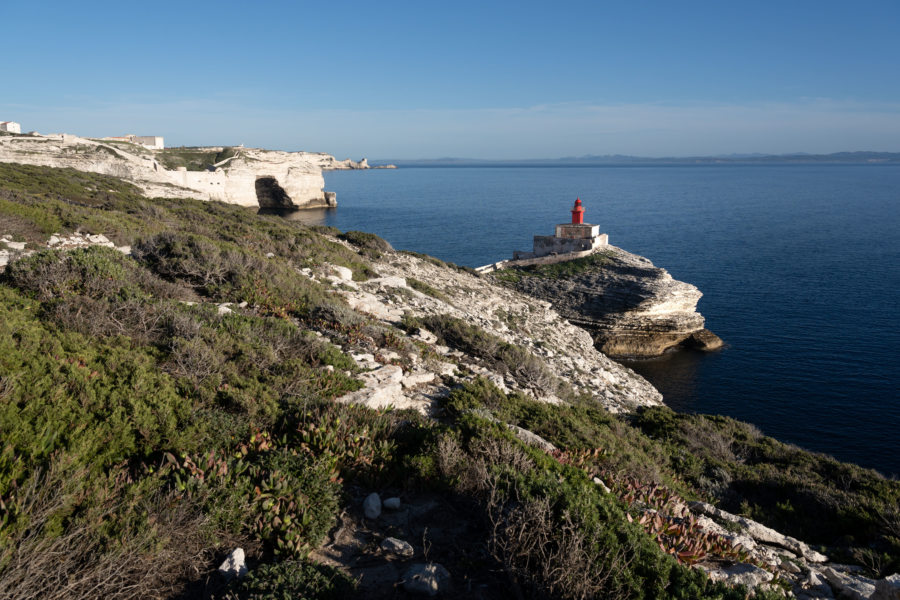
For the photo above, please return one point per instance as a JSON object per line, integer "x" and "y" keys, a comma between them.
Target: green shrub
{"x": 30, "y": 217}
{"x": 352, "y": 440}
{"x": 103, "y": 402}
{"x": 95, "y": 272}
{"x": 528, "y": 369}
{"x": 426, "y": 289}
{"x": 296, "y": 503}
{"x": 294, "y": 580}
{"x": 226, "y": 272}
{"x": 283, "y": 487}
{"x": 368, "y": 243}
{"x": 550, "y": 527}
{"x": 579, "y": 425}
{"x": 70, "y": 185}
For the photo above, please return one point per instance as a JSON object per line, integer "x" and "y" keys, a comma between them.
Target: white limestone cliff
{"x": 630, "y": 306}
{"x": 253, "y": 177}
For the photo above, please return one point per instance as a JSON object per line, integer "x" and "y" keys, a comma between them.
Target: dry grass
{"x": 150, "y": 562}
{"x": 552, "y": 554}
{"x": 544, "y": 554}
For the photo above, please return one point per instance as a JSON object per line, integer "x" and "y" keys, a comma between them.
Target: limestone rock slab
{"x": 741, "y": 574}
{"x": 887, "y": 588}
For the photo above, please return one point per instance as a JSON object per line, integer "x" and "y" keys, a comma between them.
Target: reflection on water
{"x": 674, "y": 374}
{"x": 308, "y": 216}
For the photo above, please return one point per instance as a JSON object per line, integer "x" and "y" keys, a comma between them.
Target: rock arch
{"x": 270, "y": 194}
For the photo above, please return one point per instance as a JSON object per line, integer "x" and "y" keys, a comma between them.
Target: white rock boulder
{"x": 372, "y": 506}
{"x": 235, "y": 566}
{"x": 430, "y": 579}
{"x": 395, "y": 547}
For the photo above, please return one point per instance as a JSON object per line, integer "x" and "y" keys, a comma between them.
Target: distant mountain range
{"x": 621, "y": 159}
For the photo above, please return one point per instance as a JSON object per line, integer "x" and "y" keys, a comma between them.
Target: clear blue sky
{"x": 466, "y": 79}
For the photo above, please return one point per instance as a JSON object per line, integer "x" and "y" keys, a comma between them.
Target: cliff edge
{"x": 631, "y": 307}
{"x": 235, "y": 175}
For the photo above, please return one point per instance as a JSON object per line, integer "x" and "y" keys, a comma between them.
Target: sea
{"x": 799, "y": 266}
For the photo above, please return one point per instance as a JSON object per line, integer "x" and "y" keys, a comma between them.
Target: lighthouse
{"x": 577, "y": 229}
{"x": 577, "y": 213}
{"x": 571, "y": 240}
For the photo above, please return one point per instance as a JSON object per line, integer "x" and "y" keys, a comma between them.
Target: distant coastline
{"x": 862, "y": 157}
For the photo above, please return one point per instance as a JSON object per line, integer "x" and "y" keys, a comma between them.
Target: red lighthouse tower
{"x": 577, "y": 212}
{"x": 571, "y": 240}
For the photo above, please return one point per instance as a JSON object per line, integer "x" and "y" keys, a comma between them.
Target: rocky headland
{"x": 236, "y": 175}
{"x": 630, "y": 307}
{"x": 513, "y": 318}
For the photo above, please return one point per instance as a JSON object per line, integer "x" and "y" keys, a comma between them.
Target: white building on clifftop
{"x": 576, "y": 236}
{"x": 10, "y": 127}
{"x": 152, "y": 142}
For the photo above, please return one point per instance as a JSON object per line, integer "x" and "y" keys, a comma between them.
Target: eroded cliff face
{"x": 253, "y": 177}
{"x": 265, "y": 178}
{"x": 631, "y": 307}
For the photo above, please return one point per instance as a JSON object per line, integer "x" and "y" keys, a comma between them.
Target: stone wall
{"x": 545, "y": 245}
{"x": 577, "y": 230}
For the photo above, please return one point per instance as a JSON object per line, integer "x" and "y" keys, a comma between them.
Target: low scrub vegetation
{"x": 193, "y": 159}
{"x": 141, "y": 428}
{"x": 369, "y": 244}
{"x": 552, "y": 530}
{"x": 426, "y": 289}
{"x": 513, "y": 275}
{"x": 851, "y": 510}
{"x": 525, "y": 367}
{"x": 145, "y": 431}
{"x": 293, "y": 580}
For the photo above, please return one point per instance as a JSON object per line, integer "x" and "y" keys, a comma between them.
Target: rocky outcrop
{"x": 330, "y": 163}
{"x": 518, "y": 319}
{"x": 10, "y": 249}
{"x": 770, "y": 553}
{"x": 252, "y": 177}
{"x": 631, "y": 307}
{"x": 759, "y": 533}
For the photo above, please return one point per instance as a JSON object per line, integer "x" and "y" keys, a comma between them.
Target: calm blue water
{"x": 799, "y": 266}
